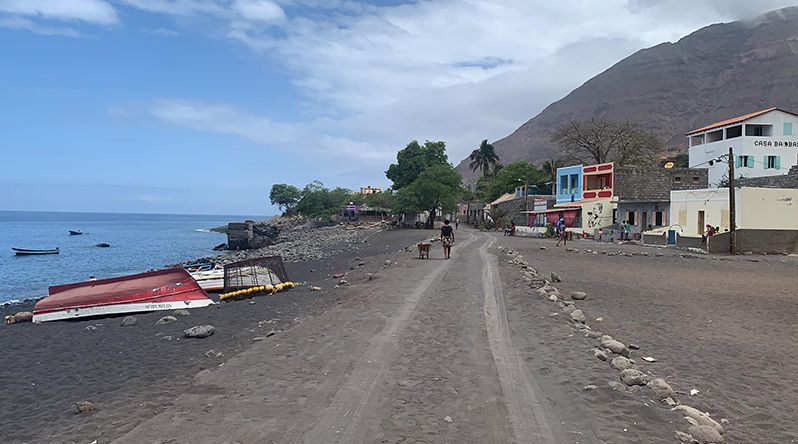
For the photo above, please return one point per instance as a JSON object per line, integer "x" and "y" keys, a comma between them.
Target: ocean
{"x": 139, "y": 242}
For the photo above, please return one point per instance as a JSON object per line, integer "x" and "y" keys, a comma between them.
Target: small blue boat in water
{"x": 26, "y": 252}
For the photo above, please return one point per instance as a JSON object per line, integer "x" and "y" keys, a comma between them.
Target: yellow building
{"x": 756, "y": 208}
{"x": 369, "y": 190}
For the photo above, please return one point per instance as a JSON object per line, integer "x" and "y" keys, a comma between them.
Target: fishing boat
{"x": 27, "y": 252}
{"x": 167, "y": 289}
{"x": 75, "y": 233}
{"x": 209, "y": 278}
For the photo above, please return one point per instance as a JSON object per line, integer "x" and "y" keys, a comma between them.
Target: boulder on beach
{"x": 620, "y": 363}
{"x": 705, "y": 434}
{"x": 555, "y": 277}
{"x": 661, "y": 389}
{"x": 578, "y": 316}
{"x": 632, "y": 377}
{"x": 698, "y": 416}
{"x": 220, "y": 247}
{"x": 181, "y": 312}
{"x": 85, "y": 407}
{"x": 129, "y": 321}
{"x": 578, "y": 295}
{"x": 614, "y": 346}
{"x": 199, "y": 331}
{"x": 16, "y": 318}
{"x": 165, "y": 320}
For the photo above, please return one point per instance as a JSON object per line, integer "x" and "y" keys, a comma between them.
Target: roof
{"x": 734, "y": 120}
{"x": 504, "y": 198}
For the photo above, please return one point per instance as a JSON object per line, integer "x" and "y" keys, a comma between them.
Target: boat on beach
{"x": 75, "y": 233}
{"x": 28, "y": 252}
{"x": 167, "y": 289}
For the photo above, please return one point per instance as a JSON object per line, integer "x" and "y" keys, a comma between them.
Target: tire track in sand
{"x": 527, "y": 416}
{"x": 343, "y": 420}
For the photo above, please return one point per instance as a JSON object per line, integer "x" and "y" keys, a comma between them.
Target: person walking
{"x": 447, "y": 239}
{"x": 561, "y": 232}
{"x": 457, "y": 224}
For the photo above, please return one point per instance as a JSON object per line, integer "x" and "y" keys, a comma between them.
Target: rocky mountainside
{"x": 720, "y": 71}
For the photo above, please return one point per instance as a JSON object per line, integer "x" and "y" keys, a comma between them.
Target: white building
{"x": 765, "y": 143}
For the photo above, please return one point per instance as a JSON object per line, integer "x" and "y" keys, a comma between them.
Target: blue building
{"x": 569, "y": 184}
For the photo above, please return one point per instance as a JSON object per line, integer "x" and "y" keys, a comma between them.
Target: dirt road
{"x": 421, "y": 353}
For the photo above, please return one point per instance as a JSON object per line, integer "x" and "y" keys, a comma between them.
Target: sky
{"x": 199, "y": 106}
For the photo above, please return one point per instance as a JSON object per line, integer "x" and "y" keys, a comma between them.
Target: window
{"x": 734, "y": 131}
{"x": 574, "y": 183}
{"x": 677, "y": 179}
{"x": 715, "y": 136}
{"x": 630, "y": 217}
{"x": 696, "y": 180}
{"x": 759, "y": 130}
{"x": 697, "y": 140}
{"x": 659, "y": 218}
{"x": 564, "y": 185}
{"x": 772, "y": 162}
{"x": 787, "y": 129}
{"x": 745, "y": 161}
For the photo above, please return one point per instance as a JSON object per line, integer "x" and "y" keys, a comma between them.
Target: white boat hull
{"x": 104, "y": 310}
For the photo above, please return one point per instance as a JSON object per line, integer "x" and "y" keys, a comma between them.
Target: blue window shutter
{"x": 739, "y": 162}
{"x": 777, "y": 162}
{"x": 788, "y": 129}
{"x": 750, "y": 161}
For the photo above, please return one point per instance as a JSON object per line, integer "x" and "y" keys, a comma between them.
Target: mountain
{"x": 720, "y": 71}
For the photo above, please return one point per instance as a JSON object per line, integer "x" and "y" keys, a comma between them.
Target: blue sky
{"x": 198, "y": 106}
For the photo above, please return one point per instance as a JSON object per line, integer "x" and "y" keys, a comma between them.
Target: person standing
{"x": 447, "y": 239}
{"x": 457, "y": 224}
{"x": 561, "y": 232}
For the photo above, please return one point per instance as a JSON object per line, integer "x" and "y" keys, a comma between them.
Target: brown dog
{"x": 423, "y": 251}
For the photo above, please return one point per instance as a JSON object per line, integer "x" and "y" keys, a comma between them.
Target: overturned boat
{"x": 167, "y": 289}
{"x": 29, "y": 252}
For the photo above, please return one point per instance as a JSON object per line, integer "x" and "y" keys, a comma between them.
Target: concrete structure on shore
{"x": 765, "y": 143}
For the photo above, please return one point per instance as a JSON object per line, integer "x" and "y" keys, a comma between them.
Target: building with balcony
{"x": 765, "y": 143}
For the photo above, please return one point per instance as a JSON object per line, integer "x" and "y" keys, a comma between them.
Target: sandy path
{"x": 423, "y": 353}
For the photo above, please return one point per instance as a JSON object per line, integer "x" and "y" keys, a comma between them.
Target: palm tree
{"x": 484, "y": 158}
{"x": 549, "y": 168}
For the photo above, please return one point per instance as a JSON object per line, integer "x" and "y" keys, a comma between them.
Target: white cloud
{"x": 89, "y": 11}
{"x": 180, "y": 7}
{"x": 259, "y": 10}
{"x": 21, "y": 23}
{"x": 164, "y": 32}
{"x": 376, "y": 77}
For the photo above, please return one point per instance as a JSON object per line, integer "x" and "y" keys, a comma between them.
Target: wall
{"x": 757, "y": 241}
{"x": 685, "y": 206}
{"x": 656, "y": 184}
{"x": 569, "y": 195}
{"x": 750, "y": 145}
{"x": 789, "y": 180}
{"x": 643, "y": 207}
{"x": 596, "y": 214}
{"x": 768, "y": 208}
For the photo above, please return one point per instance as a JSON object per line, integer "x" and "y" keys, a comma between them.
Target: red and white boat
{"x": 167, "y": 289}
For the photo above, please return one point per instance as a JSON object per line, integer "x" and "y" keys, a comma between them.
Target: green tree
{"x": 412, "y": 160}
{"x": 285, "y": 196}
{"x": 385, "y": 199}
{"x": 320, "y": 202}
{"x": 516, "y": 174}
{"x": 600, "y": 141}
{"x": 549, "y": 168}
{"x": 484, "y": 158}
{"x": 436, "y": 188}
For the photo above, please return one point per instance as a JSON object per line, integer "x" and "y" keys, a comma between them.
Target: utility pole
{"x": 732, "y": 216}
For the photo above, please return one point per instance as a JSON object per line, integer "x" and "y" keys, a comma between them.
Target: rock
{"x": 314, "y": 288}
{"x": 685, "y": 438}
{"x": 220, "y": 247}
{"x": 129, "y": 321}
{"x": 370, "y": 276}
{"x": 388, "y": 263}
{"x": 593, "y": 334}
{"x": 578, "y": 316}
{"x": 213, "y": 354}
{"x": 555, "y": 277}
{"x": 620, "y": 363}
{"x": 634, "y": 347}
{"x": 180, "y": 312}
{"x": 165, "y": 320}
{"x": 252, "y": 302}
{"x": 166, "y": 338}
{"x": 543, "y": 248}
{"x": 564, "y": 303}
{"x": 599, "y": 319}
{"x": 271, "y": 333}
{"x": 103, "y": 245}
{"x": 705, "y": 434}
{"x": 588, "y": 388}
{"x": 338, "y": 275}
{"x": 617, "y": 386}
{"x": 632, "y": 377}
{"x": 90, "y": 327}
{"x": 199, "y": 331}
{"x": 600, "y": 355}
{"x": 553, "y": 298}
{"x": 700, "y": 417}
{"x": 613, "y": 345}
{"x": 578, "y": 295}
{"x": 16, "y": 318}
{"x": 569, "y": 309}
{"x": 670, "y": 402}
{"x": 661, "y": 389}
{"x": 85, "y": 407}
{"x": 448, "y": 419}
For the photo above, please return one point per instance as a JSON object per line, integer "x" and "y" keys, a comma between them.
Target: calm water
{"x": 139, "y": 242}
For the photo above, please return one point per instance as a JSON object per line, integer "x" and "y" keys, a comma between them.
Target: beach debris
{"x": 91, "y": 328}
{"x": 634, "y": 346}
{"x": 342, "y": 283}
{"x": 593, "y": 334}
{"x": 271, "y": 333}
{"x": 600, "y": 354}
{"x": 252, "y": 302}
{"x": 617, "y": 386}
{"x": 213, "y": 354}
{"x": 611, "y": 344}
{"x": 599, "y": 319}
{"x": 388, "y": 262}
{"x": 555, "y": 277}
{"x": 370, "y": 276}
{"x": 670, "y": 402}
{"x": 199, "y": 331}
{"x": 102, "y": 245}
{"x": 553, "y": 298}
{"x": 312, "y": 288}
{"x": 649, "y": 359}
{"x": 543, "y": 248}
{"x": 589, "y": 387}
{"x": 698, "y": 417}
{"x": 85, "y": 407}
{"x": 166, "y": 338}
{"x": 578, "y": 316}
{"x": 448, "y": 419}
{"x": 704, "y": 434}
{"x": 166, "y": 320}
{"x": 661, "y": 389}
{"x": 621, "y": 363}
{"x": 19, "y": 317}
{"x": 632, "y": 377}
{"x": 338, "y": 275}
{"x": 129, "y": 321}
{"x": 578, "y": 295}
{"x": 180, "y": 312}
{"x": 694, "y": 392}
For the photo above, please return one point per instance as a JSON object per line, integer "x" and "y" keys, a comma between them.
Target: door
{"x": 700, "y": 222}
{"x": 644, "y": 221}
